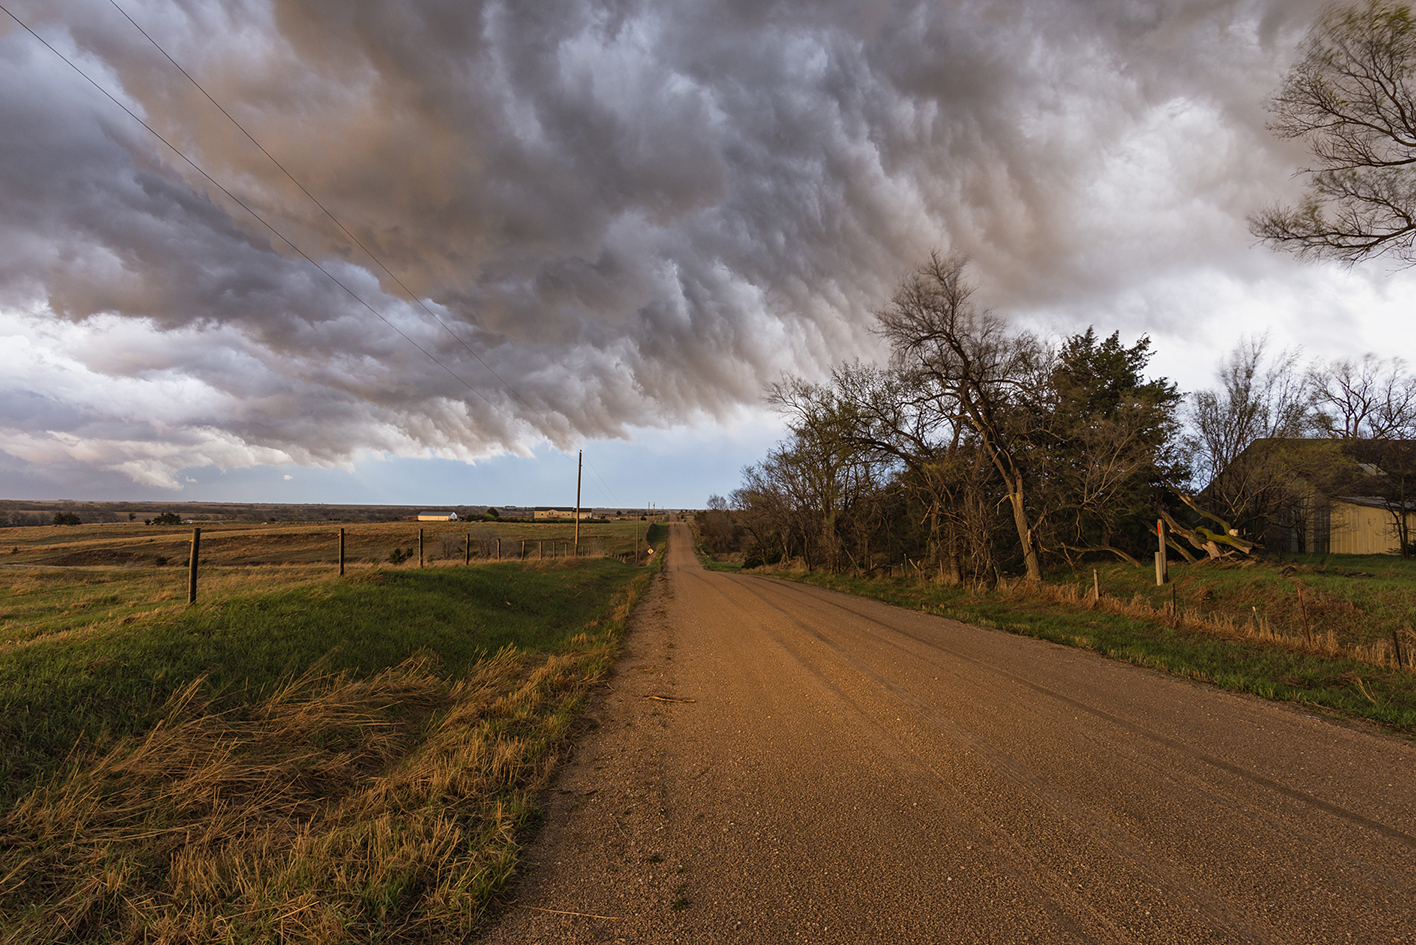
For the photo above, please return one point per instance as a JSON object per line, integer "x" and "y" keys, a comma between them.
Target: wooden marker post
{"x": 467, "y": 555}
{"x": 540, "y": 549}
{"x": 420, "y": 547}
{"x": 498, "y": 549}
{"x": 1160, "y": 563}
{"x": 192, "y": 566}
{"x": 341, "y": 552}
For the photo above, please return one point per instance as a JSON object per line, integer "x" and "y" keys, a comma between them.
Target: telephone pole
{"x": 579, "y": 464}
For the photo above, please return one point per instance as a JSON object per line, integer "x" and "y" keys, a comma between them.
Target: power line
{"x": 283, "y": 238}
{"x": 345, "y": 230}
{"x": 604, "y": 489}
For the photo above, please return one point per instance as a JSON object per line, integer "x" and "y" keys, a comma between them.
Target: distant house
{"x": 547, "y": 513}
{"x": 1356, "y": 525}
{"x": 437, "y": 516}
{"x": 1328, "y": 496}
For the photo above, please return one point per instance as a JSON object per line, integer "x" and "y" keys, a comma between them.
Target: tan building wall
{"x": 1362, "y": 530}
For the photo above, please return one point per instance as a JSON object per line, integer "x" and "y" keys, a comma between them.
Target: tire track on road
{"x": 1084, "y": 822}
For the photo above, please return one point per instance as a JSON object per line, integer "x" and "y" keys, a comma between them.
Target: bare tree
{"x": 836, "y": 477}
{"x": 763, "y": 507}
{"x": 1237, "y": 445}
{"x": 716, "y": 527}
{"x": 1370, "y": 406}
{"x": 1259, "y": 396}
{"x": 1370, "y": 398}
{"x": 975, "y": 369}
{"x": 894, "y": 420}
{"x": 1350, "y": 99}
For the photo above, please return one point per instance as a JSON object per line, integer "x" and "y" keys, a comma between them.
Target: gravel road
{"x": 821, "y": 768}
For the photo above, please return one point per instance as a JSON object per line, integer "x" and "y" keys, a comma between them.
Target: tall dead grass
{"x": 381, "y": 809}
{"x": 1320, "y": 643}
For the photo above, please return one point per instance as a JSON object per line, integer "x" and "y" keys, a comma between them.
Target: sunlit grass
{"x": 1358, "y": 600}
{"x": 298, "y": 757}
{"x": 94, "y": 578}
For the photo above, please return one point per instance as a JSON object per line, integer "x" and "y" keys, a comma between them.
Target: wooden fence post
{"x": 467, "y": 556}
{"x": 192, "y": 566}
{"x": 498, "y": 549}
{"x": 1303, "y": 608}
{"x": 540, "y": 549}
{"x": 420, "y": 547}
{"x": 341, "y": 552}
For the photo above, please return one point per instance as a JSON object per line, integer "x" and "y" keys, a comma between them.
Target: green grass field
{"x": 297, "y": 756}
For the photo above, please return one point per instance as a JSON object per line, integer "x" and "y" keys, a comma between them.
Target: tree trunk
{"x": 1020, "y": 519}
{"x": 954, "y": 569}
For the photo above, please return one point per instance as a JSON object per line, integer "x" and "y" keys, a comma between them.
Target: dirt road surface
{"x": 831, "y": 769}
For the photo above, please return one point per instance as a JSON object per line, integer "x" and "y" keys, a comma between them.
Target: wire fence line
{"x": 101, "y": 574}
{"x": 470, "y": 545}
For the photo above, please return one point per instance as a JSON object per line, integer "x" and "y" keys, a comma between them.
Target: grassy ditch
{"x": 1321, "y": 670}
{"x": 1364, "y": 604}
{"x": 348, "y": 759}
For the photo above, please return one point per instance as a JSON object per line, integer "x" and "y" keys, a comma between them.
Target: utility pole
{"x": 579, "y": 464}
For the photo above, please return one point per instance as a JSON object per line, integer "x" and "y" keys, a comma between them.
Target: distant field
{"x": 55, "y": 579}
{"x": 299, "y": 756}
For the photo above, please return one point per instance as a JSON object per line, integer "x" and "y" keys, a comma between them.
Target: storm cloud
{"x": 611, "y": 215}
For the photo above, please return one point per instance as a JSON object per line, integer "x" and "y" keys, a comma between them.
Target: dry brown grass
{"x": 339, "y": 809}
{"x": 381, "y": 809}
{"x": 234, "y": 543}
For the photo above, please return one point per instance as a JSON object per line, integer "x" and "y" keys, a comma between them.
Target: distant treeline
{"x": 23, "y": 519}
{"x": 981, "y": 450}
{"x": 22, "y": 513}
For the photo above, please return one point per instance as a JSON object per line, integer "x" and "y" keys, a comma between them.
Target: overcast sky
{"x": 621, "y": 220}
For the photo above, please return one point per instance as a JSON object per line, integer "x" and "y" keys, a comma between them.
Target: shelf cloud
{"x": 609, "y": 215}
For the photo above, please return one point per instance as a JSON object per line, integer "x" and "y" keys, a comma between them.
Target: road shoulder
{"x": 598, "y": 869}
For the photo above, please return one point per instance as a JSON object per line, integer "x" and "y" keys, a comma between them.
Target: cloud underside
{"x": 594, "y": 216}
